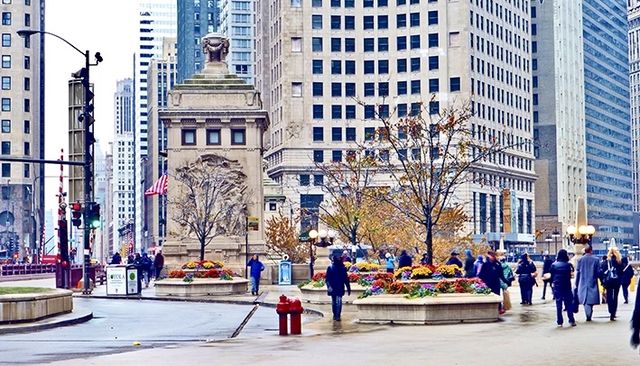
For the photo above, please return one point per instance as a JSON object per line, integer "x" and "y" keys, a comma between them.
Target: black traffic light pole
{"x": 88, "y": 142}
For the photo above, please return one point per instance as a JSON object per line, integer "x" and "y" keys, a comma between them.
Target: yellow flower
{"x": 420, "y": 272}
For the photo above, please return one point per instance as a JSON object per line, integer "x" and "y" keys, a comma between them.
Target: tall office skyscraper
{"x": 237, "y": 22}
{"x": 157, "y": 21}
{"x": 196, "y": 18}
{"x": 22, "y": 127}
{"x": 162, "y": 77}
{"x": 634, "y": 88}
{"x": 123, "y": 184}
{"x": 558, "y": 112}
{"x": 607, "y": 119}
{"x": 314, "y": 57}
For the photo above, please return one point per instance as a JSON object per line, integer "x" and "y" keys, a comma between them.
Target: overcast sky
{"x": 107, "y": 26}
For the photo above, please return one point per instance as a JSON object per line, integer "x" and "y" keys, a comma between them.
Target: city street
{"x": 119, "y": 323}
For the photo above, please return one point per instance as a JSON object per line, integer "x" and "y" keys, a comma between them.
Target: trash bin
{"x": 284, "y": 272}
{"x": 133, "y": 281}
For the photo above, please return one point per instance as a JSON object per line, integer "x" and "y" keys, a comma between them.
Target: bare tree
{"x": 350, "y": 193}
{"x": 437, "y": 152}
{"x": 211, "y": 199}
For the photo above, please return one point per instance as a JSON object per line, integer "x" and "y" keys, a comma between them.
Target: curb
{"x": 88, "y": 315}
{"x": 212, "y": 301}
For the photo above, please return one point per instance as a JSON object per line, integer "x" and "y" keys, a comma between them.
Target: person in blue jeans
{"x": 255, "y": 269}
{"x": 337, "y": 279}
{"x": 560, "y": 280}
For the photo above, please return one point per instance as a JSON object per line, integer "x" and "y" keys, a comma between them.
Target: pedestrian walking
{"x": 404, "y": 260}
{"x": 561, "y": 271}
{"x": 469, "y": 268}
{"x": 255, "y": 269}
{"x": 116, "y": 259}
{"x": 477, "y": 266}
{"x": 546, "y": 278}
{"x": 635, "y": 321}
{"x": 625, "y": 278}
{"x": 158, "y": 264}
{"x": 491, "y": 274}
{"x": 587, "y": 274}
{"x": 453, "y": 259}
{"x": 526, "y": 271}
{"x": 146, "y": 265}
{"x": 508, "y": 276}
{"x": 611, "y": 271}
{"x": 424, "y": 260}
{"x": 336, "y": 280}
{"x": 389, "y": 259}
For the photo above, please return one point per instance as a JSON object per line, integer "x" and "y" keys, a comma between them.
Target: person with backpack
{"x": 611, "y": 271}
{"x": 145, "y": 265}
{"x": 526, "y": 270}
{"x": 625, "y": 278}
{"x": 506, "y": 283}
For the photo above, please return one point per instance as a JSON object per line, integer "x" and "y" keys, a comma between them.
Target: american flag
{"x": 159, "y": 187}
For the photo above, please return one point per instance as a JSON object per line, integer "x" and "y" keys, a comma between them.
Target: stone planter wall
{"x": 31, "y": 307}
{"x": 441, "y": 309}
{"x": 318, "y": 295}
{"x": 201, "y": 287}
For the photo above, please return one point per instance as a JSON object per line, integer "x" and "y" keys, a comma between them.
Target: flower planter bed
{"x": 27, "y": 307}
{"x": 201, "y": 287}
{"x": 440, "y": 309}
{"x": 318, "y": 295}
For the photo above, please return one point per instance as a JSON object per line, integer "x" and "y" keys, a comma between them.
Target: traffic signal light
{"x": 94, "y": 215}
{"x": 76, "y": 214}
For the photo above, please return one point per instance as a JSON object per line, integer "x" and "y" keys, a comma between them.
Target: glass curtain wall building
{"x": 607, "y": 120}
{"x": 236, "y": 22}
{"x": 196, "y": 18}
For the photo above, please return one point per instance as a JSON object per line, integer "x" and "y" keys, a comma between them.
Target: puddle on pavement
{"x": 529, "y": 317}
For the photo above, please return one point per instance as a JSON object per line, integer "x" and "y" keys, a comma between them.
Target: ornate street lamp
{"x": 555, "y": 235}
{"x": 320, "y": 239}
{"x": 582, "y": 234}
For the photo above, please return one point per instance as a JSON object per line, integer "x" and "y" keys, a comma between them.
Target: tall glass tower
{"x": 196, "y": 18}
{"x": 607, "y": 120}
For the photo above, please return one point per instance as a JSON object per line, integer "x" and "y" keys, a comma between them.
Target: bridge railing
{"x": 26, "y": 269}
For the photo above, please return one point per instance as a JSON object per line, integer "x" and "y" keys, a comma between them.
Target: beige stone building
{"x": 323, "y": 66}
{"x": 215, "y": 113}
{"x": 22, "y": 127}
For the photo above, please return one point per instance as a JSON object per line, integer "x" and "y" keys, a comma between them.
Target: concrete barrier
{"x": 31, "y": 307}
{"x": 441, "y": 309}
{"x": 200, "y": 287}
{"x": 318, "y": 295}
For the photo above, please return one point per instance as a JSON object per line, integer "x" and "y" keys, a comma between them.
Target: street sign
{"x": 253, "y": 223}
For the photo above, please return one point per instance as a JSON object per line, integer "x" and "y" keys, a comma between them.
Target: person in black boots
{"x": 491, "y": 273}
{"x": 561, "y": 279}
{"x": 525, "y": 272}
{"x": 546, "y": 268}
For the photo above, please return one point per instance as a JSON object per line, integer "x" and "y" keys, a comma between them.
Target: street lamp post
{"x": 326, "y": 239}
{"x": 555, "y": 235}
{"x": 88, "y": 142}
{"x": 548, "y": 240}
{"x": 582, "y": 234}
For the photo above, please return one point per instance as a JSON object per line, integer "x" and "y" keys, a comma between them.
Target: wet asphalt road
{"x": 117, "y": 324}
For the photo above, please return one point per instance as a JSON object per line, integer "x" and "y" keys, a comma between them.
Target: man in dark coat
{"x": 158, "y": 264}
{"x": 587, "y": 274}
{"x": 561, "y": 278}
{"x": 546, "y": 268}
{"x": 469, "y": 267}
{"x": 116, "y": 259}
{"x": 625, "y": 278}
{"x": 491, "y": 273}
{"x": 336, "y": 280}
{"x": 404, "y": 260}
{"x": 454, "y": 259}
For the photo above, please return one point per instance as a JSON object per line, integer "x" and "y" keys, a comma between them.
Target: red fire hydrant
{"x": 282, "y": 308}
{"x": 295, "y": 309}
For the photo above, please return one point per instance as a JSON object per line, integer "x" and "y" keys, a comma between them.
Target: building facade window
{"x": 238, "y": 136}
{"x": 188, "y": 137}
{"x": 213, "y": 136}
{"x": 6, "y": 83}
{"x": 6, "y": 126}
{"x": 6, "y": 61}
{"x": 6, "y": 104}
{"x": 6, "y": 40}
{"x": 6, "y": 170}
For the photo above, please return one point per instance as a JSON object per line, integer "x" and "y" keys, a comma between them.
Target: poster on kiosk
{"x": 132, "y": 281}
{"x": 116, "y": 280}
